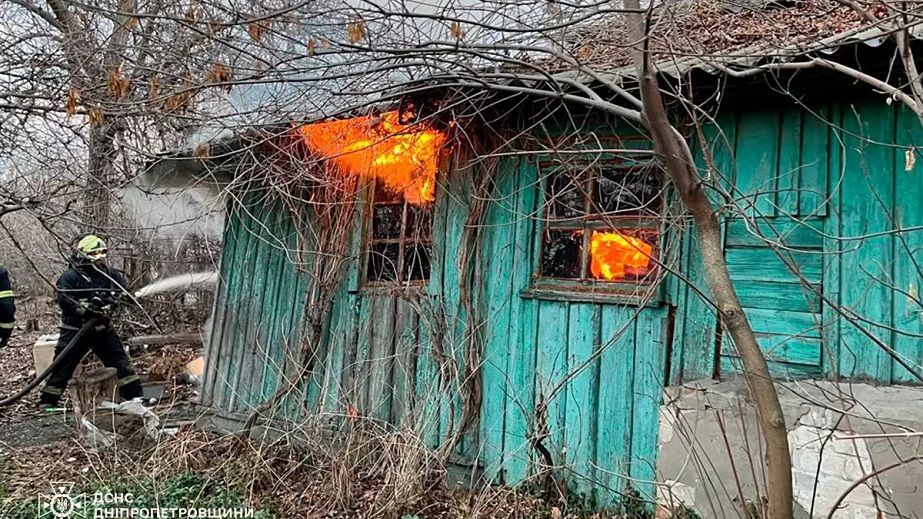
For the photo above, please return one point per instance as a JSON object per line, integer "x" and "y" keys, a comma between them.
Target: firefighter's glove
{"x": 83, "y": 308}
{"x": 95, "y": 307}
{"x": 102, "y": 306}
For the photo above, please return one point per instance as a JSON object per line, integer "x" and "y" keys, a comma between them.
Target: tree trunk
{"x": 91, "y": 389}
{"x": 100, "y": 178}
{"x": 672, "y": 149}
{"x": 87, "y": 391}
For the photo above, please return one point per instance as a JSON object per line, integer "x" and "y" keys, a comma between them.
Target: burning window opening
{"x": 400, "y": 242}
{"x": 402, "y": 157}
{"x": 601, "y": 219}
{"x": 613, "y": 256}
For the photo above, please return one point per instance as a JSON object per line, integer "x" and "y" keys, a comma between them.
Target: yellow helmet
{"x": 92, "y": 247}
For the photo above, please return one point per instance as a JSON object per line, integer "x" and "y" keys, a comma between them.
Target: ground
{"x": 21, "y": 426}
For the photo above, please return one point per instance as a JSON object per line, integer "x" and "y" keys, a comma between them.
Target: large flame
{"x": 614, "y": 255}
{"x": 401, "y": 156}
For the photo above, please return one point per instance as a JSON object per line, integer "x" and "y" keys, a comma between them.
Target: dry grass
{"x": 370, "y": 474}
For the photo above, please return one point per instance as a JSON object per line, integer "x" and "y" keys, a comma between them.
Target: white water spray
{"x": 181, "y": 283}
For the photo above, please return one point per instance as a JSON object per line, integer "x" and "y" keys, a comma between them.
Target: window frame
{"x": 645, "y": 292}
{"x": 368, "y": 240}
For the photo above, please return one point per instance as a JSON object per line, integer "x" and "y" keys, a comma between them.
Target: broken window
{"x": 400, "y": 245}
{"x": 601, "y": 219}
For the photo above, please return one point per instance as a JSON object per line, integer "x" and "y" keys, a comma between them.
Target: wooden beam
{"x": 176, "y": 338}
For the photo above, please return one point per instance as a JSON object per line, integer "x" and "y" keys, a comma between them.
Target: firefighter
{"x": 7, "y": 308}
{"x": 89, "y": 289}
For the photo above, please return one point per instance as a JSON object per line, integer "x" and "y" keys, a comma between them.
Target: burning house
{"x": 521, "y": 288}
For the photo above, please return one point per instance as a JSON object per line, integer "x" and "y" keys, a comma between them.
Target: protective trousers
{"x": 107, "y": 347}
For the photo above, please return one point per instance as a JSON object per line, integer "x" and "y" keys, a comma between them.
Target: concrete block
{"x": 694, "y": 454}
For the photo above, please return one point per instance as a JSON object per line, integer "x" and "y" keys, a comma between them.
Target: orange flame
{"x": 403, "y": 158}
{"x": 614, "y": 255}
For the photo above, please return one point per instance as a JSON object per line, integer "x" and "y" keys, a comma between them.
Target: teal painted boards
{"x": 908, "y": 246}
{"x": 777, "y": 269}
{"x": 823, "y": 244}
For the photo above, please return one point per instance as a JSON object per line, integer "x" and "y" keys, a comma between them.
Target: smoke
{"x": 181, "y": 283}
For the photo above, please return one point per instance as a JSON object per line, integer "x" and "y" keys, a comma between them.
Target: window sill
{"x": 578, "y": 294}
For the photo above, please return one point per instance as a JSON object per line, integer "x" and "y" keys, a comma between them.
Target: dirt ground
{"x": 21, "y": 426}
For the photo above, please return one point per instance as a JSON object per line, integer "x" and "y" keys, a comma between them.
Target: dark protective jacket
{"x": 7, "y": 304}
{"x": 81, "y": 283}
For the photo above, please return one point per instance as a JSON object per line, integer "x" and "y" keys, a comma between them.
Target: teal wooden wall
{"x": 810, "y": 197}
{"x": 817, "y": 196}
{"x": 586, "y": 378}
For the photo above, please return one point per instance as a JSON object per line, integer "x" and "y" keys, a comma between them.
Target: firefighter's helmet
{"x": 92, "y": 247}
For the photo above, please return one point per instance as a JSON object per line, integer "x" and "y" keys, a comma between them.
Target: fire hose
{"x": 57, "y": 360}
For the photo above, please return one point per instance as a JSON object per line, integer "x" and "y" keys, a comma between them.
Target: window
{"x": 400, "y": 242}
{"x": 601, "y": 222}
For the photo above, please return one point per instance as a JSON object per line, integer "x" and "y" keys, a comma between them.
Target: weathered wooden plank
{"x": 615, "y": 403}
{"x": 428, "y": 400}
{"x": 325, "y": 376}
{"x": 405, "y": 353}
{"x": 581, "y": 391}
{"x": 280, "y": 343}
{"x": 381, "y": 356}
{"x": 499, "y": 239}
{"x": 757, "y": 154}
{"x": 459, "y": 197}
{"x": 298, "y": 345}
{"x": 696, "y": 321}
{"x": 271, "y": 317}
{"x": 867, "y": 198}
{"x": 783, "y": 349}
{"x": 344, "y": 337}
{"x": 314, "y": 380}
{"x": 551, "y": 370}
{"x": 778, "y": 370}
{"x": 908, "y": 246}
{"x": 253, "y": 271}
{"x": 519, "y": 406}
{"x": 231, "y": 344}
{"x": 519, "y": 456}
{"x": 832, "y": 245}
{"x": 790, "y": 233}
{"x": 789, "y": 173}
{"x": 695, "y": 326}
{"x": 359, "y": 393}
{"x": 816, "y": 151}
{"x": 791, "y": 296}
{"x": 281, "y": 303}
{"x": 343, "y": 330}
{"x": 753, "y": 264}
{"x": 260, "y": 308}
{"x": 679, "y": 286}
{"x": 785, "y": 322}
{"x": 215, "y": 353}
{"x": 305, "y": 239}
{"x": 337, "y": 340}
{"x": 721, "y": 143}
{"x": 648, "y": 395}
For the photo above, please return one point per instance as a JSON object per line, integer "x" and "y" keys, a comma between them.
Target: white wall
{"x": 173, "y": 214}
